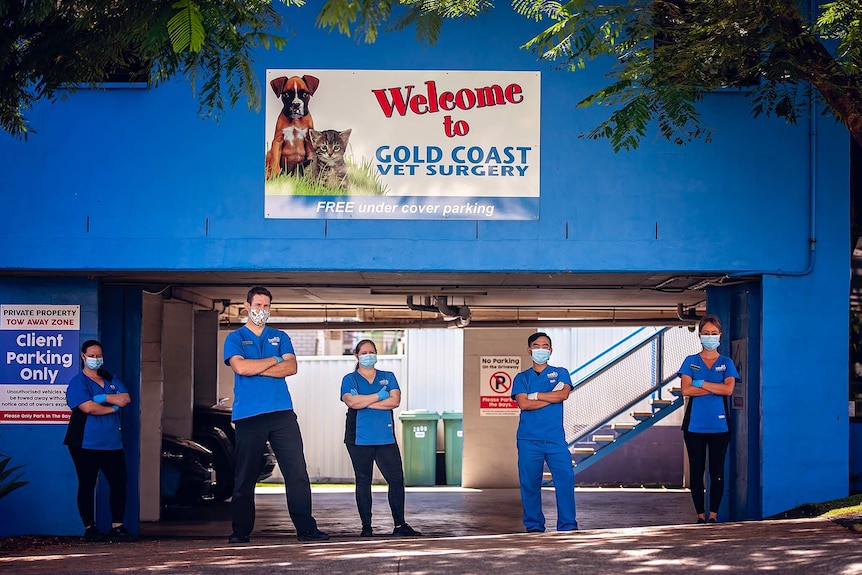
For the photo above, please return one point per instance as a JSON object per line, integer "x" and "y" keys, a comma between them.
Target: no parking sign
{"x": 495, "y": 390}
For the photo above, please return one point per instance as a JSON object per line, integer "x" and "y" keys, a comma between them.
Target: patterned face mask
{"x": 258, "y": 316}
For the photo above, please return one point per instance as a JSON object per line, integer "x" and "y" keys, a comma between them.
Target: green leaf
{"x": 186, "y": 28}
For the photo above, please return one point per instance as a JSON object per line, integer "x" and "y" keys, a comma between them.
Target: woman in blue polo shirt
{"x": 708, "y": 379}
{"x": 369, "y": 435}
{"x": 95, "y": 441}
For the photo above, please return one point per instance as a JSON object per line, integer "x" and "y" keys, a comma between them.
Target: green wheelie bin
{"x": 453, "y": 434}
{"x": 419, "y": 439}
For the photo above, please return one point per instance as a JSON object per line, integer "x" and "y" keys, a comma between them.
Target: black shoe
{"x": 316, "y": 535}
{"x": 535, "y": 530}
{"x": 712, "y": 520}
{"x": 367, "y": 531}
{"x": 93, "y": 535}
{"x": 700, "y": 521}
{"x": 405, "y": 530}
{"x": 236, "y": 538}
{"x": 120, "y": 535}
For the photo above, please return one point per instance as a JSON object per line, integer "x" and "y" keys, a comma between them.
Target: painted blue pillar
{"x": 120, "y": 313}
{"x": 738, "y": 307}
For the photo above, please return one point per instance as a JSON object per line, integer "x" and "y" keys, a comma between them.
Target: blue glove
{"x": 101, "y": 398}
{"x": 382, "y": 394}
{"x": 697, "y": 383}
{"x": 116, "y": 408}
{"x": 354, "y": 392}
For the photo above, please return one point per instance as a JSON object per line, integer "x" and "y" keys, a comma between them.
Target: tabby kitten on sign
{"x": 327, "y": 163}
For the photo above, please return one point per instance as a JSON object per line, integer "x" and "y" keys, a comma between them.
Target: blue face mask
{"x": 94, "y": 362}
{"x": 710, "y": 342}
{"x": 541, "y": 356}
{"x": 368, "y": 360}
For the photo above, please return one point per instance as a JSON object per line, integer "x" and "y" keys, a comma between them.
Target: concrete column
{"x": 152, "y": 380}
{"x": 177, "y": 354}
{"x": 206, "y": 358}
{"x": 490, "y": 452}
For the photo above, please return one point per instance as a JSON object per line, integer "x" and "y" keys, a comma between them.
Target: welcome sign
{"x": 374, "y": 144}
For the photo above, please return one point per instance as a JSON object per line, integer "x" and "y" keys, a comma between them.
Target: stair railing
{"x": 636, "y": 375}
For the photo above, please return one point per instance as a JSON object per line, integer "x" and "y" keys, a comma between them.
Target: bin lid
{"x": 453, "y": 415}
{"x": 422, "y": 414}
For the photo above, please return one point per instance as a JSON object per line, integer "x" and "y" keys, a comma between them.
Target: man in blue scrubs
{"x": 540, "y": 392}
{"x": 261, "y": 358}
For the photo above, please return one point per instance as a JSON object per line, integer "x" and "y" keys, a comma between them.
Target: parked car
{"x": 213, "y": 428}
{"x": 187, "y": 475}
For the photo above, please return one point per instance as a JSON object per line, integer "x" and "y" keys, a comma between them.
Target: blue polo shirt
{"x": 546, "y": 423}
{"x": 104, "y": 432}
{"x": 369, "y": 426}
{"x": 257, "y": 394}
{"x": 707, "y": 413}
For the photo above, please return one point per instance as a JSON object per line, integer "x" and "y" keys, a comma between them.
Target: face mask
{"x": 541, "y": 356}
{"x": 94, "y": 362}
{"x": 368, "y": 360}
{"x": 258, "y": 316}
{"x": 710, "y": 342}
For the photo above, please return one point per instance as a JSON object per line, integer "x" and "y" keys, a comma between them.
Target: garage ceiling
{"x": 372, "y": 300}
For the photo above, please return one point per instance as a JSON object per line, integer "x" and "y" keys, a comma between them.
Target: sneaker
{"x": 316, "y": 535}
{"x": 405, "y": 530}
{"x": 236, "y": 538}
{"x": 121, "y": 535}
{"x": 700, "y": 520}
{"x": 712, "y": 520}
{"x": 93, "y": 535}
{"x": 367, "y": 531}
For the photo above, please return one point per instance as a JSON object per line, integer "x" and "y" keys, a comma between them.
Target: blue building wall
{"x": 133, "y": 180}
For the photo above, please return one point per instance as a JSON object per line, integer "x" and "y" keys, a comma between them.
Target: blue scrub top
{"x": 257, "y": 394}
{"x": 546, "y": 423}
{"x": 707, "y": 413}
{"x": 369, "y": 426}
{"x": 104, "y": 432}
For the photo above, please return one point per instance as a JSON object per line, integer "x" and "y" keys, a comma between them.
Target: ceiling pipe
{"x": 435, "y": 323}
{"x": 420, "y": 307}
{"x": 686, "y": 315}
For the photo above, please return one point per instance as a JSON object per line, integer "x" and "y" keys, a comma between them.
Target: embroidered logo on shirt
{"x": 553, "y": 375}
{"x": 384, "y": 382}
{"x": 721, "y": 368}
{"x": 274, "y": 340}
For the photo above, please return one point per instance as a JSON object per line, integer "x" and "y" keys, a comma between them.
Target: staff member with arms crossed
{"x": 540, "y": 392}
{"x": 261, "y": 358}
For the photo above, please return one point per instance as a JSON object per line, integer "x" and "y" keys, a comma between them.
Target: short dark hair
{"x": 536, "y": 336}
{"x": 258, "y": 290}
{"x": 709, "y": 318}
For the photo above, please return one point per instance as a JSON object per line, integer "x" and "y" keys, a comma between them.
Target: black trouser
{"x": 282, "y": 431}
{"x": 88, "y": 463}
{"x": 697, "y": 445}
{"x": 388, "y": 460}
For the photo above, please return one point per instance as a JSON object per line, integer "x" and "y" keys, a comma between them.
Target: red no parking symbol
{"x": 500, "y": 382}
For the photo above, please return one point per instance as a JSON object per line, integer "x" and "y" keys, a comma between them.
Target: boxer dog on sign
{"x": 291, "y": 148}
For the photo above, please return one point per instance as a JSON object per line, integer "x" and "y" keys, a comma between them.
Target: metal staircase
{"x": 626, "y": 396}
